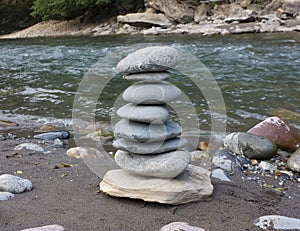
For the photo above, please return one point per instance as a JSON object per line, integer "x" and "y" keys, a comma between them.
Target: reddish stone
{"x": 279, "y": 132}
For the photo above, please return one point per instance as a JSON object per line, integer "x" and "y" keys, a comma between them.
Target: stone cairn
{"x": 151, "y": 153}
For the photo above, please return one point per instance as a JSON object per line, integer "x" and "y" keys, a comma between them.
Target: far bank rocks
{"x": 192, "y": 17}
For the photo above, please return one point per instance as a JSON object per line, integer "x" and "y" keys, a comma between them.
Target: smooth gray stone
{"x": 151, "y": 93}
{"x": 142, "y": 113}
{"x": 249, "y": 145}
{"x": 155, "y": 58}
{"x": 14, "y": 184}
{"x": 46, "y": 228}
{"x": 149, "y": 76}
{"x": 166, "y": 165}
{"x": 194, "y": 184}
{"x": 143, "y": 132}
{"x": 294, "y": 161}
{"x": 4, "y": 196}
{"x": 150, "y": 147}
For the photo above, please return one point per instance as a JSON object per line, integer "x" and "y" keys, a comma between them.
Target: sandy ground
{"x": 70, "y": 197}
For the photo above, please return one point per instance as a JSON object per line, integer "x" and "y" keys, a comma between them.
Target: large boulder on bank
{"x": 177, "y": 11}
{"x": 279, "y": 132}
{"x": 145, "y": 19}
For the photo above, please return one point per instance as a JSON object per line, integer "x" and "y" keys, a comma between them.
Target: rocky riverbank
{"x": 174, "y": 17}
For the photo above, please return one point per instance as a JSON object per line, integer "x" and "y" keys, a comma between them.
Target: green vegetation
{"x": 64, "y": 9}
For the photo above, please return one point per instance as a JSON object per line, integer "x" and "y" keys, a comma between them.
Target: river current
{"x": 258, "y": 76}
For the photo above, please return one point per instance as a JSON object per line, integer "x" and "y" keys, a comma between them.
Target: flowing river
{"x": 258, "y": 76}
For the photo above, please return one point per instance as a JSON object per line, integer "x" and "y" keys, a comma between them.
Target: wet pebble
{"x": 265, "y": 166}
{"x": 53, "y": 135}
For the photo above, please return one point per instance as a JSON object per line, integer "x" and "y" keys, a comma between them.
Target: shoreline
{"x": 73, "y": 28}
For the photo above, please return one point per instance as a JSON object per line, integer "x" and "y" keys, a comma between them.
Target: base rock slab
{"x": 194, "y": 184}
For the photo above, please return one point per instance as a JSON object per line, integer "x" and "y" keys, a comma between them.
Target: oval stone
{"x": 279, "y": 132}
{"x": 294, "y": 161}
{"x": 142, "y": 113}
{"x": 250, "y": 146}
{"x": 167, "y": 165}
{"x": 149, "y": 76}
{"x": 143, "y": 132}
{"x": 151, "y": 93}
{"x": 14, "y": 184}
{"x": 149, "y": 59}
{"x": 150, "y": 147}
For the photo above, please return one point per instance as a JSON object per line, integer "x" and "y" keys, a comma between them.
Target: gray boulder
{"x": 14, "y": 184}
{"x": 143, "y": 132}
{"x": 145, "y": 19}
{"x": 141, "y": 113}
{"x": 150, "y": 147}
{"x": 166, "y": 165}
{"x": 155, "y": 58}
{"x": 151, "y": 93}
{"x": 249, "y": 145}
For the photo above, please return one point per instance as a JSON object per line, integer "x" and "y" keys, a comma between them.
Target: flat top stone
{"x": 143, "y": 132}
{"x": 150, "y": 147}
{"x": 149, "y": 76}
{"x": 142, "y": 113}
{"x": 151, "y": 93}
{"x": 154, "y": 58}
{"x": 166, "y": 165}
{"x": 193, "y": 185}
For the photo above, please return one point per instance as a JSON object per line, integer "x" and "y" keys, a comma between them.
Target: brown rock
{"x": 279, "y": 132}
{"x": 291, "y": 6}
{"x": 201, "y": 12}
{"x": 6, "y": 123}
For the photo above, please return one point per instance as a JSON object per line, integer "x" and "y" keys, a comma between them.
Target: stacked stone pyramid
{"x": 151, "y": 153}
{"x": 148, "y": 141}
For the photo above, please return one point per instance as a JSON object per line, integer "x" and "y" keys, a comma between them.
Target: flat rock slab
{"x": 166, "y": 165}
{"x": 143, "y": 113}
{"x": 143, "y": 132}
{"x": 149, "y": 76}
{"x": 151, "y": 93}
{"x": 150, "y": 147}
{"x": 154, "y": 58}
{"x": 145, "y": 19}
{"x": 194, "y": 184}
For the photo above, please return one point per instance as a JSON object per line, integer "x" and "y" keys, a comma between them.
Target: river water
{"x": 258, "y": 75}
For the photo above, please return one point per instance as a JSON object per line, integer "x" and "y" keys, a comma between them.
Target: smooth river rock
{"x": 46, "y": 228}
{"x": 166, "y": 165}
{"x": 294, "y": 161}
{"x": 141, "y": 113}
{"x": 279, "y": 132}
{"x": 194, "y": 184}
{"x": 4, "y": 196}
{"x": 53, "y": 135}
{"x": 151, "y": 93}
{"x": 150, "y": 147}
{"x": 14, "y": 184}
{"x": 155, "y": 58}
{"x": 143, "y": 132}
{"x": 249, "y": 145}
{"x": 149, "y": 76}
{"x": 180, "y": 226}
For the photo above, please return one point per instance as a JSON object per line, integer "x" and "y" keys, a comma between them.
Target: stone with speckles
{"x": 279, "y": 132}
